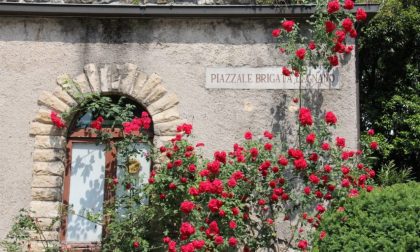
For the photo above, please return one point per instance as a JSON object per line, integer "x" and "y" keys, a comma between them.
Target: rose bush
{"x": 236, "y": 199}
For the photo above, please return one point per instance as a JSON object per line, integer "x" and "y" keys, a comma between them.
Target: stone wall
{"x": 34, "y": 51}
{"x": 141, "y": 2}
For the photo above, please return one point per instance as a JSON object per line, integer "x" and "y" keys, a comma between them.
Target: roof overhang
{"x": 168, "y": 11}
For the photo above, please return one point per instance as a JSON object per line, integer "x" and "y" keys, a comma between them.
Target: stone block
{"x": 46, "y": 235}
{"x": 43, "y": 116}
{"x": 166, "y": 116}
{"x": 46, "y": 194}
{"x": 158, "y": 92}
{"x": 153, "y": 81}
{"x": 64, "y": 96}
{"x": 166, "y": 102}
{"x": 51, "y": 101}
{"x": 48, "y": 155}
{"x": 167, "y": 128}
{"x": 48, "y": 168}
{"x": 46, "y": 209}
{"x": 92, "y": 74}
{"x": 37, "y": 128}
{"x": 139, "y": 82}
{"x": 50, "y": 142}
{"x": 46, "y": 181}
{"x": 129, "y": 75}
{"x": 48, "y": 224}
{"x": 83, "y": 83}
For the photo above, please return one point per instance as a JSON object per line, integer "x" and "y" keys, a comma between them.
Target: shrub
{"x": 383, "y": 220}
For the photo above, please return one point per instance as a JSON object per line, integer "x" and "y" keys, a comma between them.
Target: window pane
{"x": 144, "y": 160}
{"x": 86, "y": 191}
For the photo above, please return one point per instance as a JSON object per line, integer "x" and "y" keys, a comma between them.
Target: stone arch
{"x": 49, "y": 148}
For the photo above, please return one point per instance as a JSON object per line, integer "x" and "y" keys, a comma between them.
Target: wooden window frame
{"x": 89, "y": 136}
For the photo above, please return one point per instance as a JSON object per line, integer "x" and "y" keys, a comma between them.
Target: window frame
{"x": 88, "y": 135}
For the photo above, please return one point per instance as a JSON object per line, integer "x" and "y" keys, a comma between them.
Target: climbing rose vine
{"x": 237, "y": 198}
{"x": 331, "y": 25}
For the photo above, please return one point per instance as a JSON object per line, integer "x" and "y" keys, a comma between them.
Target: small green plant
{"x": 389, "y": 174}
{"x": 24, "y": 225}
{"x": 383, "y": 220}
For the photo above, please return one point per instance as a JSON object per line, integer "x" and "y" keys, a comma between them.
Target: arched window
{"x": 92, "y": 168}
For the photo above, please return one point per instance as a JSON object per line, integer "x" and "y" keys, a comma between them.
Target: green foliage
{"x": 20, "y": 233}
{"x": 383, "y": 220}
{"x": 390, "y": 87}
{"x": 389, "y": 174}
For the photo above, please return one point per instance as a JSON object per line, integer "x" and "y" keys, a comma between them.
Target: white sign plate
{"x": 269, "y": 78}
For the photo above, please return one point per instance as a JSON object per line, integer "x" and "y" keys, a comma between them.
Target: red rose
{"x": 214, "y": 205}
{"x": 348, "y": 4}
{"x": 220, "y": 156}
{"x": 369, "y": 188}
{"x": 275, "y": 169}
{"x": 327, "y": 168}
{"x": 333, "y": 60}
{"x": 371, "y": 132}
{"x": 295, "y": 153}
{"x": 300, "y": 53}
{"x": 248, "y": 135}
{"x": 353, "y": 193}
{"x": 374, "y": 145}
{"x": 340, "y": 36}
{"x": 57, "y": 120}
{"x": 372, "y": 173}
{"x": 283, "y": 161}
{"x": 340, "y": 142}
{"x": 333, "y": 6}
{"x": 261, "y": 202}
{"x": 192, "y": 168}
{"x": 268, "y": 146}
{"x": 347, "y": 24}
{"x": 151, "y": 180}
{"x": 198, "y": 244}
{"x": 269, "y": 221}
{"x": 172, "y": 186}
{"x": 330, "y": 118}
{"x": 288, "y": 25}
{"x": 313, "y": 157}
{"x": 187, "y": 206}
{"x": 320, "y": 208}
{"x": 340, "y": 48}
{"x": 275, "y": 33}
{"x": 193, "y": 191}
{"x": 97, "y": 124}
{"x": 186, "y": 230}
{"x": 268, "y": 135}
{"x": 325, "y": 146}
{"x": 284, "y": 196}
{"x": 235, "y": 211}
{"x": 353, "y": 33}
{"x": 238, "y": 175}
{"x": 302, "y": 244}
{"x": 329, "y": 26}
{"x": 305, "y": 116}
{"x": 314, "y": 179}
{"x": 232, "y": 224}
{"x": 345, "y": 170}
{"x": 285, "y": 71}
{"x": 318, "y": 194}
{"x": 345, "y": 183}
{"x": 232, "y": 242}
{"x": 199, "y": 145}
{"x": 300, "y": 164}
{"x": 189, "y": 247}
{"x": 307, "y": 190}
{"x": 218, "y": 240}
{"x": 348, "y": 49}
{"x": 361, "y": 14}
{"x": 231, "y": 182}
{"x": 136, "y": 244}
{"x": 178, "y": 162}
{"x": 162, "y": 196}
{"x": 311, "y": 45}
{"x": 310, "y": 139}
{"x": 322, "y": 235}
{"x": 214, "y": 167}
{"x": 254, "y": 152}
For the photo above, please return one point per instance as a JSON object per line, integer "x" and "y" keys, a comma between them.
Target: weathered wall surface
{"x": 34, "y": 52}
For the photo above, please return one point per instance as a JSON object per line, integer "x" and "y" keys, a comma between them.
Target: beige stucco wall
{"x": 34, "y": 52}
